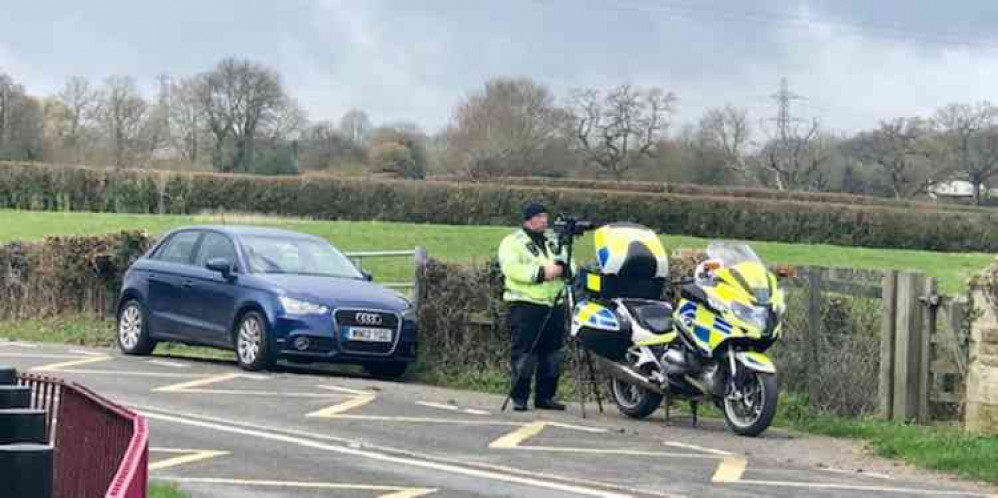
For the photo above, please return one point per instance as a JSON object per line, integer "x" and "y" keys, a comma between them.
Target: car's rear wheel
{"x": 387, "y": 371}
{"x": 253, "y": 344}
{"x": 133, "y": 330}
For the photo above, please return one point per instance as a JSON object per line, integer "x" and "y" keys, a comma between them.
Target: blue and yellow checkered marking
{"x": 596, "y": 316}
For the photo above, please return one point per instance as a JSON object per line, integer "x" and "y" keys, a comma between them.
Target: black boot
{"x": 549, "y": 404}
{"x": 519, "y": 405}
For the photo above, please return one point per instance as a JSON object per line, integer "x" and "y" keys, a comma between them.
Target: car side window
{"x": 179, "y": 249}
{"x": 216, "y": 245}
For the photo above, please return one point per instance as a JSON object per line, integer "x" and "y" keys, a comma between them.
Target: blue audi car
{"x": 267, "y": 294}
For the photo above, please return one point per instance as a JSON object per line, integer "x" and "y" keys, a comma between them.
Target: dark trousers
{"x": 525, "y": 321}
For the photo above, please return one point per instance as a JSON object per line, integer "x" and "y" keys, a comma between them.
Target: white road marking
{"x": 857, "y": 474}
{"x": 167, "y": 363}
{"x": 676, "y": 444}
{"x": 425, "y": 420}
{"x": 532, "y": 473}
{"x": 86, "y": 353}
{"x": 472, "y": 411}
{"x": 394, "y": 491}
{"x": 17, "y": 344}
{"x": 851, "y": 487}
{"x": 442, "y": 467}
{"x": 441, "y": 406}
{"x": 37, "y": 355}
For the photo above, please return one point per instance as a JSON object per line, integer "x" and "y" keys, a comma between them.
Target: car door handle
{"x": 188, "y": 284}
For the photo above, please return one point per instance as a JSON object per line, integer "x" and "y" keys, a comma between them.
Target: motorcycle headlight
{"x": 298, "y": 307}
{"x": 756, "y": 316}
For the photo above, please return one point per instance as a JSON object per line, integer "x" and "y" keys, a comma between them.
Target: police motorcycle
{"x": 711, "y": 347}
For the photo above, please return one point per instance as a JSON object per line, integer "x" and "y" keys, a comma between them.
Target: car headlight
{"x": 756, "y": 316}
{"x": 410, "y": 314}
{"x": 298, "y": 307}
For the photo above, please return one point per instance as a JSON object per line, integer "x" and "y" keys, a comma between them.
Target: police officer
{"x": 533, "y": 269}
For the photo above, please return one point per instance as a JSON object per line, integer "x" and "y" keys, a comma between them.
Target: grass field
{"x": 467, "y": 244}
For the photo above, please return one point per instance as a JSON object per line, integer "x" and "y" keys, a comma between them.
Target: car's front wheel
{"x": 387, "y": 371}
{"x": 133, "y": 331}
{"x": 253, "y": 350}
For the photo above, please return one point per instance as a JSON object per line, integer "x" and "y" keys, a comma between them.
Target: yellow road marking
{"x": 394, "y": 491}
{"x": 254, "y": 393}
{"x": 426, "y": 420}
{"x": 513, "y": 439}
{"x": 198, "y": 383}
{"x": 729, "y": 470}
{"x": 337, "y": 409}
{"x": 37, "y": 355}
{"x": 356, "y": 392}
{"x": 186, "y": 456}
{"x": 74, "y": 363}
{"x": 413, "y": 461}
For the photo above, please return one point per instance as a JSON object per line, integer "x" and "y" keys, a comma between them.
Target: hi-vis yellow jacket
{"x": 522, "y": 264}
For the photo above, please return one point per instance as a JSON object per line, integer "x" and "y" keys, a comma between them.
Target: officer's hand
{"x": 552, "y": 271}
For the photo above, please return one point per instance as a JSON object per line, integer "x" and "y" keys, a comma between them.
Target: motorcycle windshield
{"x": 732, "y": 254}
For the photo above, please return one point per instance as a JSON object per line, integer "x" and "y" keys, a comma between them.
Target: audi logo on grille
{"x": 368, "y": 318}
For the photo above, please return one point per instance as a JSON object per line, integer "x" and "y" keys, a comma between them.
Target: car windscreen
{"x": 296, "y": 256}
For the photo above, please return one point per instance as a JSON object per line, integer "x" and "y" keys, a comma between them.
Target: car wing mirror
{"x": 221, "y": 265}
{"x": 367, "y": 275}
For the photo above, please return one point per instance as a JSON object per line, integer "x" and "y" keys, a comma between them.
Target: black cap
{"x": 533, "y": 209}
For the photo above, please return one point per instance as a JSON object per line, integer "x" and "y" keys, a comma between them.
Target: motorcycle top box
{"x": 631, "y": 267}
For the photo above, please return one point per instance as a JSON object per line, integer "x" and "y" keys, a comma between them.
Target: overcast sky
{"x": 855, "y": 61}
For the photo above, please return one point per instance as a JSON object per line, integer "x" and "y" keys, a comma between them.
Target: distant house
{"x": 953, "y": 189}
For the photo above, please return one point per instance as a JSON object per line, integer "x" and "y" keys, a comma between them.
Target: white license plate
{"x": 369, "y": 334}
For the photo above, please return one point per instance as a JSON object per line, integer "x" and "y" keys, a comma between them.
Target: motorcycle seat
{"x": 654, "y": 316}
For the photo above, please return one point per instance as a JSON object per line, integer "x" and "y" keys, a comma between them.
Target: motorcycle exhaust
{"x": 626, "y": 374}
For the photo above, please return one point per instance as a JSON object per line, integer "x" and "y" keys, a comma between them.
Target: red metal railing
{"x": 101, "y": 449}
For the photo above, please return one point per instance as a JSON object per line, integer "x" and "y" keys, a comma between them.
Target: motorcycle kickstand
{"x": 693, "y": 409}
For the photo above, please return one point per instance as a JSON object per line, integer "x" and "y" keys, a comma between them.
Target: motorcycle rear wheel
{"x": 633, "y": 401}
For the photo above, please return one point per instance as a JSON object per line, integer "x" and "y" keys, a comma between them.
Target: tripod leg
{"x": 593, "y": 381}
{"x": 579, "y": 381}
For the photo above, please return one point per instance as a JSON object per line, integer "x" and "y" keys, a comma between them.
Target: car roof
{"x": 241, "y": 230}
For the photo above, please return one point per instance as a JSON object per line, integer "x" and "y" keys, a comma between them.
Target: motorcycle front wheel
{"x": 750, "y": 408}
{"x": 633, "y": 401}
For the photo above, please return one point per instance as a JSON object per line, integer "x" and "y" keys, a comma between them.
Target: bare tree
{"x": 901, "y": 148}
{"x": 796, "y": 158}
{"x": 504, "y": 129}
{"x": 970, "y": 137}
{"x": 355, "y": 125}
{"x": 239, "y": 98}
{"x": 121, "y": 115}
{"x": 289, "y": 122}
{"x": 727, "y": 129}
{"x": 187, "y": 118}
{"x": 617, "y": 129}
{"x": 79, "y": 102}
{"x": 7, "y": 91}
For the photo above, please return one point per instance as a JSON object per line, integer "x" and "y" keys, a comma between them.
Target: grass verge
{"x": 165, "y": 490}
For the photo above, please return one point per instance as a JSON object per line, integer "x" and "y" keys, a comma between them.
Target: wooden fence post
{"x": 929, "y": 302}
{"x": 888, "y": 329}
{"x": 908, "y": 342}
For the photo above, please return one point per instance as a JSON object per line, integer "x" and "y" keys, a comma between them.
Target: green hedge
{"x": 32, "y": 186}
{"x": 703, "y": 190}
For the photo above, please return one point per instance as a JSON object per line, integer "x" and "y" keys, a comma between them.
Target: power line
{"x": 793, "y": 22}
